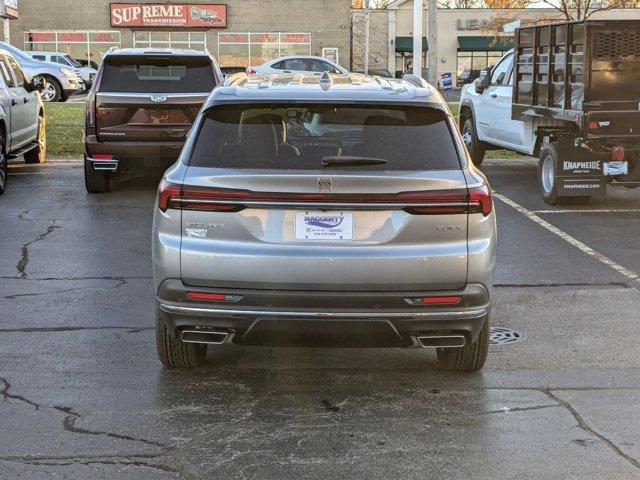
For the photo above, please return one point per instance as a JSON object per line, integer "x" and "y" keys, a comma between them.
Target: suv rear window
{"x": 311, "y": 137}
{"x": 171, "y": 74}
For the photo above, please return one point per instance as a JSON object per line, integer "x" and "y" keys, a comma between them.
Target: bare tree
{"x": 583, "y": 9}
{"x": 460, "y": 4}
{"x": 375, "y": 4}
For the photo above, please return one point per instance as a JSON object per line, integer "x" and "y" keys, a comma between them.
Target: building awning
{"x": 405, "y": 44}
{"x": 485, "y": 44}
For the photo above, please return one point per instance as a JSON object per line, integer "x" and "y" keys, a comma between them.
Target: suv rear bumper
{"x": 349, "y": 319}
{"x": 132, "y": 154}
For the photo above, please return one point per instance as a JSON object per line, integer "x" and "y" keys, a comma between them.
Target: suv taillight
{"x": 90, "y": 110}
{"x": 439, "y": 202}
{"x": 480, "y": 200}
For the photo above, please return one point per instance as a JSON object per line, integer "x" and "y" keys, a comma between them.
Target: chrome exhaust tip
{"x": 209, "y": 337}
{"x": 442, "y": 341}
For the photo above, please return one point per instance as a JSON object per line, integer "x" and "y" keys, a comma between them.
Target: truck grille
{"x": 612, "y": 44}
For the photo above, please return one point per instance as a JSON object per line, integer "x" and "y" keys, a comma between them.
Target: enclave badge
{"x": 158, "y": 98}
{"x": 325, "y": 184}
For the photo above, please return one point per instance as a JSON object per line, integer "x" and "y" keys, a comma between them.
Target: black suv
{"x": 140, "y": 109}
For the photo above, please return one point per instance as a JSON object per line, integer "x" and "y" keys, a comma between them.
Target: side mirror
{"x": 483, "y": 81}
{"x": 37, "y": 84}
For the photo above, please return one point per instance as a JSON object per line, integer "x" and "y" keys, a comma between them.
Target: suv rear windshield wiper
{"x": 351, "y": 161}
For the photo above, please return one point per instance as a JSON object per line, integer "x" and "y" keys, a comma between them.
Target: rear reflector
{"x": 450, "y": 300}
{"x": 210, "y": 297}
{"x": 437, "y": 202}
{"x": 593, "y": 124}
{"x": 617, "y": 153}
{"x": 102, "y": 157}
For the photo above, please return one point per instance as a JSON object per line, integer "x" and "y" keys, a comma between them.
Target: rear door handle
{"x": 13, "y": 102}
{"x": 25, "y": 99}
{"x": 494, "y": 95}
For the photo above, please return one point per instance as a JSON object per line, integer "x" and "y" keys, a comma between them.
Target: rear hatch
{"x": 150, "y": 98}
{"x": 326, "y": 198}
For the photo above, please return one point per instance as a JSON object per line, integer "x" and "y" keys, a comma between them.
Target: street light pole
{"x": 432, "y": 52}
{"x": 417, "y": 38}
{"x": 366, "y": 37}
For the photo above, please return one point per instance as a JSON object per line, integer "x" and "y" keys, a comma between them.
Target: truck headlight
{"x": 68, "y": 73}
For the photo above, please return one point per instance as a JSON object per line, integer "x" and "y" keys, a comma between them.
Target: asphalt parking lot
{"x": 83, "y": 396}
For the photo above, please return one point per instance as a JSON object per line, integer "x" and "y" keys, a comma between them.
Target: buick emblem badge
{"x": 325, "y": 184}
{"x": 158, "y": 98}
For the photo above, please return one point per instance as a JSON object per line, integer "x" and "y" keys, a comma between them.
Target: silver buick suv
{"x": 335, "y": 211}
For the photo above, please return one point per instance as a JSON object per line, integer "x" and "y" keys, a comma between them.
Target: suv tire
{"x": 3, "y": 166}
{"x": 95, "y": 181}
{"x": 172, "y": 352}
{"x": 469, "y": 358}
{"x": 547, "y": 168}
{"x": 470, "y": 137}
{"x": 52, "y": 91}
{"x": 39, "y": 154}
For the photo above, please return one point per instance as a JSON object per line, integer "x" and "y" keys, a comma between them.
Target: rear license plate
{"x": 616, "y": 168}
{"x": 315, "y": 225}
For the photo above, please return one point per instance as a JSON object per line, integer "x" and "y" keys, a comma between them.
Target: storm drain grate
{"x": 505, "y": 336}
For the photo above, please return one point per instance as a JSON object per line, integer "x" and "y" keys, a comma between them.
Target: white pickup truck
{"x": 579, "y": 112}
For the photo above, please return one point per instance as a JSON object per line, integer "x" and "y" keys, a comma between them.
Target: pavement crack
{"x": 70, "y": 426}
{"x": 24, "y": 257}
{"x": 582, "y": 424}
{"x": 6, "y": 395}
{"x": 518, "y": 409}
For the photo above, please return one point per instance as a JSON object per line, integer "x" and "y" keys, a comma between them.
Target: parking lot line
{"x": 592, "y": 210}
{"x": 587, "y": 250}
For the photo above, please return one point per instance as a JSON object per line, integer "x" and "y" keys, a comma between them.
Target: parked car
{"x": 87, "y": 63}
{"x": 140, "y": 109}
{"x": 299, "y": 64}
{"x": 22, "y": 118}
{"x": 59, "y": 82}
{"x": 582, "y": 125}
{"x": 87, "y": 74}
{"x": 311, "y": 213}
{"x": 378, "y": 72}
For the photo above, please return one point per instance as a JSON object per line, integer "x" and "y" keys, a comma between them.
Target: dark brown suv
{"x": 141, "y": 108}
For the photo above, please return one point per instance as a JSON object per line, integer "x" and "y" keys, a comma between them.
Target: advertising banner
{"x": 168, "y": 15}
{"x": 446, "y": 81}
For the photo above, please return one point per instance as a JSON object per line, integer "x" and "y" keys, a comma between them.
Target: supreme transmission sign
{"x": 174, "y": 15}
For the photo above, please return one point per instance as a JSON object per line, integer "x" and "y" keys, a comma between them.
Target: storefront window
{"x": 471, "y": 63}
{"x": 245, "y": 49}
{"x": 82, "y": 45}
{"x": 180, "y": 40}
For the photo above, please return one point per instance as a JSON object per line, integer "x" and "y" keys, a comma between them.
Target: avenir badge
{"x": 158, "y": 98}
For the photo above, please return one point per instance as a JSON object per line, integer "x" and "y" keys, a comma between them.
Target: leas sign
{"x": 174, "y": 15}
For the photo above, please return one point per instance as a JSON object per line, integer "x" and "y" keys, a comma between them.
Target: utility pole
{"x": 366, "y": 37}
{"x": 432, "y": 53}
{"x": 7, "y": 30}
{"x": 417, "y": 38}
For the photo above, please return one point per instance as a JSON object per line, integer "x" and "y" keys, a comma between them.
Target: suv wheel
{"x": 95, "y": 181}
{"x": 469, "y": 358}
{"x": 470, "y": 137}
{"x": 172, "y": 352}
{"x": 52, "y": 91}
{"x": 547, "y": 181}
{"x": 39, "y": 154}
{"x": 3, "y": 166}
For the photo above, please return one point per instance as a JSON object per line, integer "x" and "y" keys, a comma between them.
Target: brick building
{"x": 238, "y": 32}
